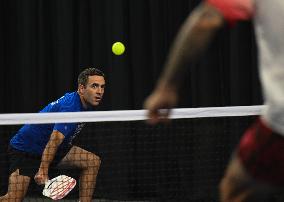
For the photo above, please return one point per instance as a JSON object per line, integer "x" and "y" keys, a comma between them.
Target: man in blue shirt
{"x": 36, "y": 148}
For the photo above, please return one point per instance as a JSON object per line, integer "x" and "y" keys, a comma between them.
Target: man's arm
{"x": 49, "y": 152}
{"x": 191, "y": 41}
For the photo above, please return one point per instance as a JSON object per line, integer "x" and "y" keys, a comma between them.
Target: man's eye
{"x": 97, "y": 86}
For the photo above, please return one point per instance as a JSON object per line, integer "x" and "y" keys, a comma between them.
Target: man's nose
{"x": 100, "y": 90}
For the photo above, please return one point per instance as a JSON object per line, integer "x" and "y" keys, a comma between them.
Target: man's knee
{"x": 4, "y": 198}
{"x": 17, "y": 187}
{"x": 236, "y": 187}
{"x": 94, "y": 161}
{"x": 231, "y": 182}
{"x": 90, "y": 162}
{"x": 224, "y": 190}
{"x": 11, "y": 197}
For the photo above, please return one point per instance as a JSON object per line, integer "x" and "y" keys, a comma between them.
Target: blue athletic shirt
{"x": 33, "y": 138}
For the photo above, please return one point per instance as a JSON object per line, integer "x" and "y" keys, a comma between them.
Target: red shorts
{"x": 262, "y": 153}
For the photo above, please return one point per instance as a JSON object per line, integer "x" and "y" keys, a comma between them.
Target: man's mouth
{"x": 98, "y": 98}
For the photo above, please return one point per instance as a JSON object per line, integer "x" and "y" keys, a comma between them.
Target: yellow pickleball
{"x": 118, "y": 48}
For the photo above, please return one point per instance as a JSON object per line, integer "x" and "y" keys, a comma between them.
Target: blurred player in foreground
{"x": 257, "y": 167}
{"x": 36, "y": 148}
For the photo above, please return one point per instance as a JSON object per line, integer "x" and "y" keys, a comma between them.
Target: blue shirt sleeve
{"x": 70, "y": 102}
{"x": 66, "y": 129}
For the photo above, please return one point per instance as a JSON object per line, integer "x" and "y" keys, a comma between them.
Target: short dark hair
{"x": 84, "y": 75}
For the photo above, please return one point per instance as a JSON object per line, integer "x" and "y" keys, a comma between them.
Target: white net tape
{"x": 126, "y": 115}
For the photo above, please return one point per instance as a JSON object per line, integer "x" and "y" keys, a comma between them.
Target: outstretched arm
{"x": 49, "y": 152}
{"x": 191, "y": 41}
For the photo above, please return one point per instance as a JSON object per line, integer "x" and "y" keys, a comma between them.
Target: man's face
{"x": 92, "y": 93}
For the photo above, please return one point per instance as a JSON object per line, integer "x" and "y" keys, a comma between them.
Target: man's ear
{"x": 81, "y": 89}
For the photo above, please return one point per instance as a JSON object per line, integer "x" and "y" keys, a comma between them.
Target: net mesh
{"x": 180, "y": 161}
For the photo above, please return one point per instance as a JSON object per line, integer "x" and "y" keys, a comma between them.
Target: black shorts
{"x": 28, "y": 164}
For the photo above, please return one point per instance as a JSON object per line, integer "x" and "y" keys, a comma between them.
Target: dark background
{"x": 46, "y": 43}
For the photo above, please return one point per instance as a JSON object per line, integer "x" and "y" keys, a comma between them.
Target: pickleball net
{"x": 180, "y": 161}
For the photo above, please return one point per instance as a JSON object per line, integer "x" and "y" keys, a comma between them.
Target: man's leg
{"x": 89, "y": 164}
{"x": 238, "y": 186}
{"x": 17, "y": 188}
